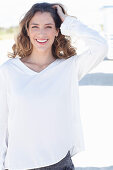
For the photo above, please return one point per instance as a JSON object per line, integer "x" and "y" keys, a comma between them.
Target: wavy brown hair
{"x": 61, "y": 47}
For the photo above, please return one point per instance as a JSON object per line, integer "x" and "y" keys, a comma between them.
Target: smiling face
{"x": 42, "y": 31}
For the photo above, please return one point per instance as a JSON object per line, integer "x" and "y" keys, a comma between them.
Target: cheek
{"x": 52, "y": 34}
{"x": 47, "y": 32}
{"x": 33, "y": 32}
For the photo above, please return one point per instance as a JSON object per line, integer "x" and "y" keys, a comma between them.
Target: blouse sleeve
{"x": 96, "y": 46}
{"x": 3, "y": 121}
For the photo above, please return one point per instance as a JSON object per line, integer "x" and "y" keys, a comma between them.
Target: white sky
{"x": 11, "y": 11}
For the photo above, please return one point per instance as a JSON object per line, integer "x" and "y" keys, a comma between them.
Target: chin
{"x": 42, "y": 49}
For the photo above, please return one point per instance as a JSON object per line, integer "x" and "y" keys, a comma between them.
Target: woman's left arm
{"x": 96, "y": 45}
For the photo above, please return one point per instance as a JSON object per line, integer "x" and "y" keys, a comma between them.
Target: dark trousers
{"x": 65, "y": 164}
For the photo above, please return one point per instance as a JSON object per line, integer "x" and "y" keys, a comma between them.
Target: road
{"x": 96, "y": 106}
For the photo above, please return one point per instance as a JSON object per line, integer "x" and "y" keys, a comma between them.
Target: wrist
{"x": 63, "y": 18}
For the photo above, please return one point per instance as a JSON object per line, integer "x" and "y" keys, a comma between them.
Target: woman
{"x": 40, "y": 125}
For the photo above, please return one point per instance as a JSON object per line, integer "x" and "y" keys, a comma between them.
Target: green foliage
{"x": 8, "y": 33}
{"x": 102, "y": 27}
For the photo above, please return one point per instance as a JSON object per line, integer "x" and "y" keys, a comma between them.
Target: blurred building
{"x": 107, "y": 18}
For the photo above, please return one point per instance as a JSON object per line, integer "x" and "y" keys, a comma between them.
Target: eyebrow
{"x": 45, "y": 24}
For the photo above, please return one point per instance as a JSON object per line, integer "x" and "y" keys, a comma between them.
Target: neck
{"x": 41, "y": 57}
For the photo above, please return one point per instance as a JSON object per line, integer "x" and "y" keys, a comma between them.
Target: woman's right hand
{"x": 60, "y": 12}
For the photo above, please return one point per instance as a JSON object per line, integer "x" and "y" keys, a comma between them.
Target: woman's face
{"x": 42, "y": 31}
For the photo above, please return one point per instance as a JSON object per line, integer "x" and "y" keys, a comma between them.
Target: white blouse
{"x": 39, "y": 111}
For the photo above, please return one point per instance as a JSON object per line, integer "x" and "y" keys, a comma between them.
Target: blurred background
{"x": 96, "y": 88}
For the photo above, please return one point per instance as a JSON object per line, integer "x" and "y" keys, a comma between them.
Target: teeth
{"x": 41, "y": 40}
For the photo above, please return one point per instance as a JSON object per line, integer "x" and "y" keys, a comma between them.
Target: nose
{"x": 42, "y": 31}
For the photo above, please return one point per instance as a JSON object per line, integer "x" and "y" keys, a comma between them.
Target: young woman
{"x": 40, "y": 125}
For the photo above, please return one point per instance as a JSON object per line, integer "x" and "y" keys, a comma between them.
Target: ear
{"x": 57, "y": 32}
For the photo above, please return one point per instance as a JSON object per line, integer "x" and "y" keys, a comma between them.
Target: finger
{"x": 56, "y": 7}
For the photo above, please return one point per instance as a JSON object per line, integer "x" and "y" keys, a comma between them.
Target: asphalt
{"x": 96, "y": 107}
{"x": 95, "y": 168}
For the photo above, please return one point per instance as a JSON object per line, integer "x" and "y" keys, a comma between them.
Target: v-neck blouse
{"x": 39, "y": 112}
{"x": 32, "y": 72}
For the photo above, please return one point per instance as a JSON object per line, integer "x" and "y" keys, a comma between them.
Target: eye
{"x": 34, "y": 27}
{"x": 48, "y": 27}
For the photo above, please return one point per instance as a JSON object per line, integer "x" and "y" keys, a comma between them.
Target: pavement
{"x": 96, "y": 109}
{"x": 95, "y": 168}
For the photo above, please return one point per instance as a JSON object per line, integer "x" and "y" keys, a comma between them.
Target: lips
{"x": 42, "y": 41}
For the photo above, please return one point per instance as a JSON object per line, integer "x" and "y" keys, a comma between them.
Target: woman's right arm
{"x": 3, "y": 120}
{"x": 96, "y": 46}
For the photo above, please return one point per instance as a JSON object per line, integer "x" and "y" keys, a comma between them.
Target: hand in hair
{"x": 60, "y": 12}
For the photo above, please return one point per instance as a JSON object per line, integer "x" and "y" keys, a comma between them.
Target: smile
{"x": 42, "y": 40}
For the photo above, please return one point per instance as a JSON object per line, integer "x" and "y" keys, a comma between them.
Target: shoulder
{"x": 6, "y": 66}
{"x": 6, "y": 63}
